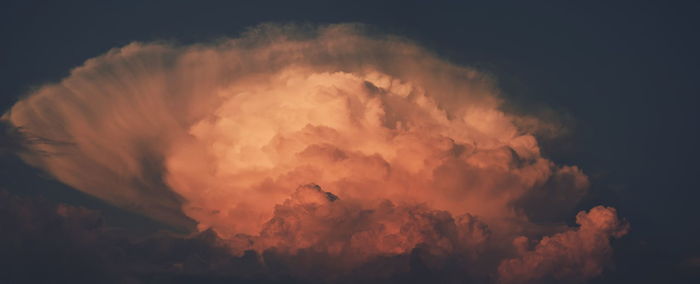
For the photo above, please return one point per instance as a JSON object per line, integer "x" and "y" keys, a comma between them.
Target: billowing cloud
{"x": 289, "y": 141}
{"x": 569, "y": 256}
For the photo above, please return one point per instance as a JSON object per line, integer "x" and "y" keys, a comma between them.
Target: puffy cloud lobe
{"x": 318, "y": 220}
{"x": 218, "y": 137}
{"x": 570, "y": 256}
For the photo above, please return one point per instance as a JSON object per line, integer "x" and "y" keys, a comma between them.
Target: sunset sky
{"x": 321, "y": 142}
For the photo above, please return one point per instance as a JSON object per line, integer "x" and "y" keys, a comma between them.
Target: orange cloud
{"x": 416, "y": 150}
{"x": 569, "y": 256}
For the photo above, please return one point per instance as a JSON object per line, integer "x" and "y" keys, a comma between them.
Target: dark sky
{"x": 624, "y": 73}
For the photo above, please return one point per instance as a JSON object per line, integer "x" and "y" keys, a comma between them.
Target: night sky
{"x": 622, "y": 78}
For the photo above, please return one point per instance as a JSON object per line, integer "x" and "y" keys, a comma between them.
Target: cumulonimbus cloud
{"x": 323, "y": 139}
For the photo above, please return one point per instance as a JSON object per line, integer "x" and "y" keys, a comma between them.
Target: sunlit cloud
{"x": 321, "y": 140}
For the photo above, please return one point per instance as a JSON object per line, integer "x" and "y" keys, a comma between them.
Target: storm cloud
{"x": 319, "y": 152}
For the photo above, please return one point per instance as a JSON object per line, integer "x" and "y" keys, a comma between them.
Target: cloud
{"x": 38, "y": 237}
{"x": 568, "y": 256}
{"x": 45, "y": 242}
{"x": 316, "y": 219}
{"x": 411, "y": 157}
